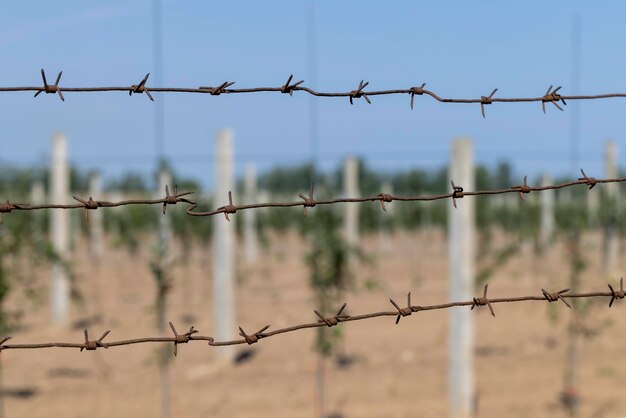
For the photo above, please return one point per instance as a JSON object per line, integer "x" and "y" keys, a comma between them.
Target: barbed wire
{"x": 322, "y": 321}
{"x": 551, "y": 95}
{"x": 307, "y": 201}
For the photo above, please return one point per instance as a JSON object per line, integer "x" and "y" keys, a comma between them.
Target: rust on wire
{"x": 551, "y": 96}
{"x": 307, "y": 201}
{"x": 322, "y": 321}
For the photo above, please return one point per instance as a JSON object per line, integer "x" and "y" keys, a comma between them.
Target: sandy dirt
{"x": 398, "y": 370}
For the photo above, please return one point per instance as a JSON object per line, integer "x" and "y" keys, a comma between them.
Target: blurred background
{"x": 133, "y": 269}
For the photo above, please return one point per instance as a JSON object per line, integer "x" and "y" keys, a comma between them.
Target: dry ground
{"x": 400, "y": 370}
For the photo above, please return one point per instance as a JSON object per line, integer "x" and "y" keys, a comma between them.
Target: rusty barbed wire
{"x": 322, "y": 321}
{"x": 551, "y": 95}
{"x": 307, "y": 201}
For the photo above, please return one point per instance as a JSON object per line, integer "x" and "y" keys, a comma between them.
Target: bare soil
{"x": 398, "y": 370}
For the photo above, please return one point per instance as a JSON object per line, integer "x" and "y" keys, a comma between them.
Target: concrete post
{"x": 251, "y": 245}
{"x": 96, "y": 235}
{"x": 461, "y": 225}
{"x": 224, "y": 247}
{"x": 351, "y": 190}
{"x": 611, "y": 242}
{"x": 37, "y": 197}
{"x": 59, "y": 230}
{"x": 385, "y": 241}
{"x": 546, "y": 231}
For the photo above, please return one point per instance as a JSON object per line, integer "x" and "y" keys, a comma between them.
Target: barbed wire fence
{"x": 551, "y": 95}
{"x": 308, "y": 201}
{"x": 329, "y": 321}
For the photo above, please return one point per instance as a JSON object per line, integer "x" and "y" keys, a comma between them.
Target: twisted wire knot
{"x": 309, "y": 202}
{"x": 216, "y": 91}
{"x": 254, "y": 338}
{"x": 416, "y": 91}
{"x": 6, "y": 207}
{"x": 553, "y": 297}
{"x": 358, "y": 93}
{"x": 589, "y": 181}
{"x": 482, "y": 301}
{"x": 406, "y": 311}
{"x": 172, "y": 199}
{"x": 288, "y": 89}
{"x": 333, "y": 320}
{"x": 523, "y": 189}
{"x": 4, "y": 340}
{"x": 228, "y": 209}
{"x": 457, "y": 192}
{"x": 619, "y": 294}
{"x": 91, "y": 345}
{"x": 384, "y": 197}
{"x": 552, "y": 96}
{"x": 141, "y": 88}
{"x": 51, "y": 88}
{"x": 486, "y": 100}
{"x": 181, "y": 338}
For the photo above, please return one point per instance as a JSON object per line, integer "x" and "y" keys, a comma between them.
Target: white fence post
{"x": 96, "y": 235}
{"x": 251, "y": 245}
{"x": 611, "y": 243}
{"x": 546, "y": 231}
{"x": 461, "y": 266}
{"x": 384, "y": 234}
{"x": 351, "y": 190}
{"x": 59, "y": 230}
{"x": 224, "y": 247}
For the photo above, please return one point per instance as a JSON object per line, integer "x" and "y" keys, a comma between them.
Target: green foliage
{"x": 23, "y": 251}
{"x": 329, "y": 266}
{"x": 129, "y": 182}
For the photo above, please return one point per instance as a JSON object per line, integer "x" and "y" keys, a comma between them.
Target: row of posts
{"x": 461, "y": 244}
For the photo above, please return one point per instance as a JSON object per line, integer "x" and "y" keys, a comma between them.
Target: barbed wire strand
{"x": 551, "y": 95}
{"x": 307, "y": 201}
{"x": 322, "y": 321}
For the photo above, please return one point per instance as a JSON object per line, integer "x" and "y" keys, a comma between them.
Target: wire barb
{"x": 457, "y": 193}
{"x": 287, "y": 88}
{"x": 482, "y": 301}
{"x": 2, "y": 341}
{"x": 617, "y": 294}
{"x": 50, "y": 88}
{"x": 216, "y": 91}
{"x": 553, "y": 97}
{"x": 408, "y": 310}
{"x": 94, "y": 344}
{"x": 523, "y": 189}
{"x": 89, "y": 204}
{"x": 486, "y": 100}
{"x": 589, "y": 181}
{"x": 141, "y": 88}
{"x": 358, "y": 93}
{"x": 172, "y": 199}
{"x": 254, "y": 338}
{"x": 181, "y": 338}
{"x": 333, "y": 320}
{"x": 553, "y": 297}
{"x": 384, "y": 197}
{"x": 230, "y": 208}
{"x": 416, "y": 91}
{"x": 309, "y": 202}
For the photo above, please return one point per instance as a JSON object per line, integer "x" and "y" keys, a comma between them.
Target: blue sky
{"x": 460, "y": 49}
